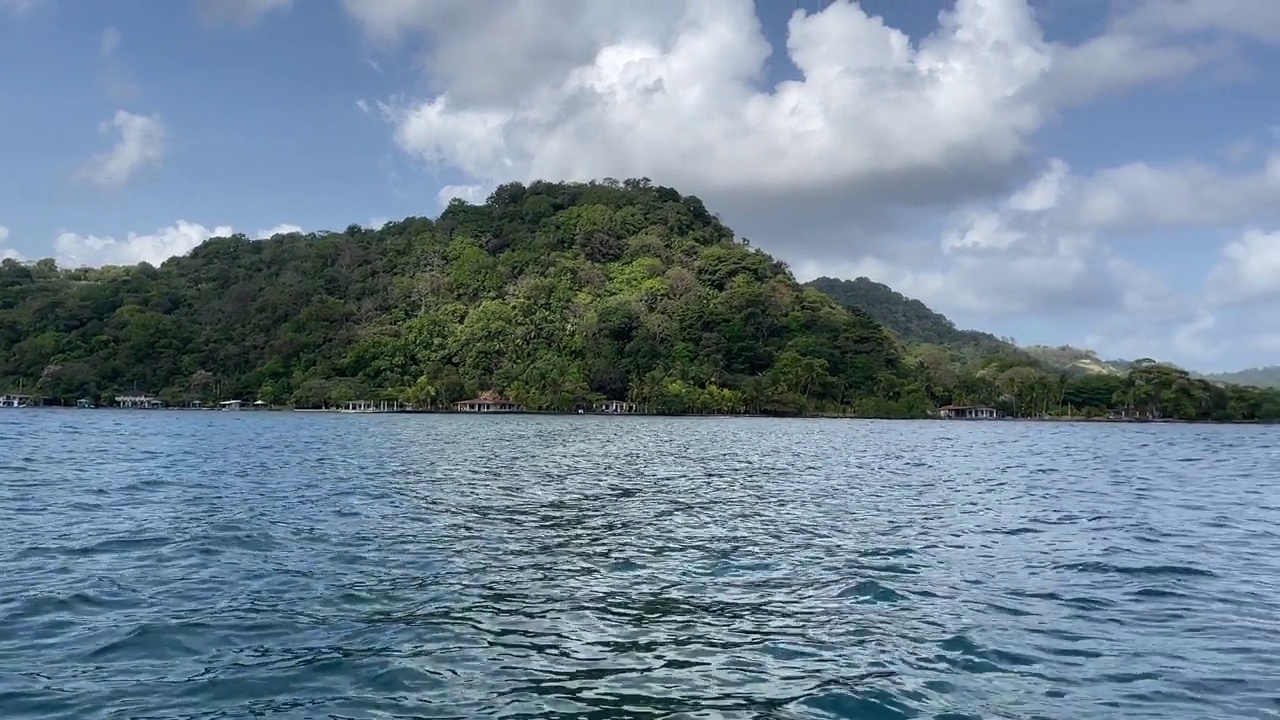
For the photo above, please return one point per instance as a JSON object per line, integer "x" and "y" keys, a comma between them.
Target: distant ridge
{"x": 911, "y": 320}
{"x": 1268, "y": 376}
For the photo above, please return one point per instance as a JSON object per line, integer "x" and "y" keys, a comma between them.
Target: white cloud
{"x": 1140, "y": 195}
{"x": 7, "y": 253}
{"x": 1259, "y": 19}
{"x": 142, "y": 142}
{"x": 1249, "y": 271}
{"x": 281, "y": 229}
{"x": 673, "y": 91}
{"x": 110, "y": 41}
{"x": 75, "y": 250}
{"x": 20, "y": 7}
{"x": 238, "y": 12}
{"x": 474, "y": 194}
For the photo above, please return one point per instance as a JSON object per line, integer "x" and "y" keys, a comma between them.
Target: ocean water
{"x": 283, "y": 565}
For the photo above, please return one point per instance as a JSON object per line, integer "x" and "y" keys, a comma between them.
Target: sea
{"x": 169, "y": 564}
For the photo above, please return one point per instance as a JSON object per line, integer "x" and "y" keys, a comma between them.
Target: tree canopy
{"x": 553, "y": 294}
{"x": 968, "y": 367}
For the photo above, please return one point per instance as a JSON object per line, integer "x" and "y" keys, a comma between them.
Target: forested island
{"x": 555, "y": 295}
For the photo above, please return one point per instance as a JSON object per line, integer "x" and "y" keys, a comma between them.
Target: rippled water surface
{"x": 229, "y": 565}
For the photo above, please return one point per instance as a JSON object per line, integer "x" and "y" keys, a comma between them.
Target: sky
{"x": 1101, "y": 173}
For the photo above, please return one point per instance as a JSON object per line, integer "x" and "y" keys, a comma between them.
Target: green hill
{"x": 908, "y": 318}
{"x": 915, "y": 323}
{"x": 1268, "y": 377}
{"x": 555, "y": 294}
{"x": 967, "y": 366}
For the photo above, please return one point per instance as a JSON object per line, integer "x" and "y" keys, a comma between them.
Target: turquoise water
{"x": 237, "y": 565}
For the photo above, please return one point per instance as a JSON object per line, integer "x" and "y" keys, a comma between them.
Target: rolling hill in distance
{"x": 1268, "y": 377}
{"x": 914, "y": 322}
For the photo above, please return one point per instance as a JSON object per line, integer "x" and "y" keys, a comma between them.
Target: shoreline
{"x": 818, "y": 416}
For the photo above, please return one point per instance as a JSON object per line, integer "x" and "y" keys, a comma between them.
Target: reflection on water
{"x": 195, "y": 565}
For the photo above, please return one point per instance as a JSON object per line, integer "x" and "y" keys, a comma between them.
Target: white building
{"x": 139, "y": 401}
{"x": 968, "y": 412}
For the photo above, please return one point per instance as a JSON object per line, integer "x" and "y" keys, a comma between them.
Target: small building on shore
{"x": 139, "y": 401}
{"x": 18, "y": 401}
{"x": 968, "y": 412}
{"x": 231, "y": 405}
{"x": 615, "y": 407}
{"x": 488, "y": 402}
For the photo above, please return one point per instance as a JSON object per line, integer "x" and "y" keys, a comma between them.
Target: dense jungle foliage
{"x": 556, "y": 295}
{"x": 972, "y": 367}
{"x": 911, "y": 320}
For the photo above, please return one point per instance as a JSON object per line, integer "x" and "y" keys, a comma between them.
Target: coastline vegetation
{"x": 555, "y": 295}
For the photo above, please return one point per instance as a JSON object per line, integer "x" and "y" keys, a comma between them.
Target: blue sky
{"x": 1107, "y": 177}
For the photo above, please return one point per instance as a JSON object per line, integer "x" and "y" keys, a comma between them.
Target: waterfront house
{"x": 615, "y": 407}
{"x": 139, "y": 401}
{"x": 85, "y": 404}
{"x": 968, "y": 412}
{"x": 488, "y": 402}
{"x": 18, "y": 401}
{"x": 230, "y": 404}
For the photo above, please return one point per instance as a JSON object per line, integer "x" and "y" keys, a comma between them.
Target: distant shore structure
{"x": 18, "y": 401}
{"x": 488, "y": 402}
{"x": 615, "y": 407}
{"x": 139, "y": 401}
{"x": 968, "y": 412}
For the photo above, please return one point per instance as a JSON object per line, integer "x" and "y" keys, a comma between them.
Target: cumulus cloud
{"x": 281, "y": 229}
{"x": 1142, "y": 195}
{"x": 675, "y": 91}
{"x": 474, "y": 194}
{"x": 1249, "y": 270}
{"x": 140, "y": 142}
{"x": 1012, "y": 258}
{"x": 238, "y": 12}
{"x": 75, "y": 250}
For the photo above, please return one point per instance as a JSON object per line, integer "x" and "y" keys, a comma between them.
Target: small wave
{"x": 153, "y": 641}
{"x": 870, "y": 591}
{"x": 121, "y": 545}
{"x": 1102, "y": 567}
{"x": 1150, "y": 592}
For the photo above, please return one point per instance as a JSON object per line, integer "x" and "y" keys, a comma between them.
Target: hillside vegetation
{"x": 967, "y": 366}
{"x": 1074, "y": 360}
{"x": 556, "y": 295}
{"x": 909, "y": 319}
